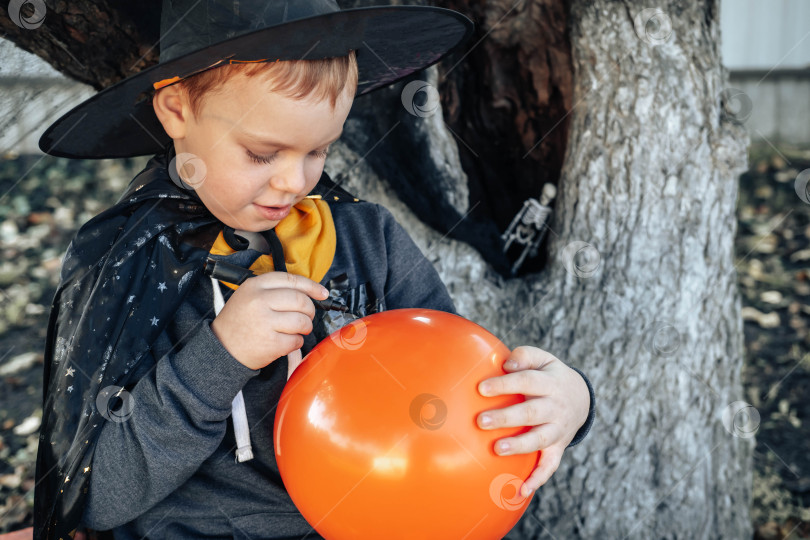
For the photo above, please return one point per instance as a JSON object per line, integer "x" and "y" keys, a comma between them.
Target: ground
{"x": 43, "y": 200}
{"x": 773, "y": 265}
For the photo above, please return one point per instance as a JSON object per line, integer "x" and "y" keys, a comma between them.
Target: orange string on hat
{"x": 166, "y": 82}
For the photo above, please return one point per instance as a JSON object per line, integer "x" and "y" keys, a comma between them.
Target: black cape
{"x": 98, "y": 332}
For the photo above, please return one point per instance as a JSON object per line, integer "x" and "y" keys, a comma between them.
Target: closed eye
{"x": 260, "y": 159}
{"x": 268, "y": 159}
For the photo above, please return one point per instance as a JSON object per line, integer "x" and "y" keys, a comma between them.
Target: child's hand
{"x": 557, "y": 405}
{"x": 265, "y": 317}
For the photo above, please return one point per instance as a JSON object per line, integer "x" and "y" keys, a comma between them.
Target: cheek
{"x": 314, "y": 174}
{"x": 229, "y": 189}
{"x": 240, "y": 180}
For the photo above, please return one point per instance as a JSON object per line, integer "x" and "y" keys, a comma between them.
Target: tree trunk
{"x": 650, "y": 183}
{"x": 627, "y": 119}
{"x": 640, "y": 289}
{"x": 94, "y": 42}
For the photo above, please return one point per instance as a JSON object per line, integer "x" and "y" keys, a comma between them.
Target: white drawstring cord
{"x": 244, "y": 450}
{"x": 241, "y": 430}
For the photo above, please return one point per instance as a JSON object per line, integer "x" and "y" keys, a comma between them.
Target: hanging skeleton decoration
{"x": 528, "y": 227}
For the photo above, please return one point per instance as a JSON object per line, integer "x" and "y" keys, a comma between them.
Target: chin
{"x": 251, "y": 225}
{"x": 260, "y": 227}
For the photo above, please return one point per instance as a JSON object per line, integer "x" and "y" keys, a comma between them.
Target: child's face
{"x": 234, "y": 126}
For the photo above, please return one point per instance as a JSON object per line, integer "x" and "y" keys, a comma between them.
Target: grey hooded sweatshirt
{"x": 169, "y": 471}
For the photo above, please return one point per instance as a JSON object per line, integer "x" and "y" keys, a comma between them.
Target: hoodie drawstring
{"x": 241, "y": 430}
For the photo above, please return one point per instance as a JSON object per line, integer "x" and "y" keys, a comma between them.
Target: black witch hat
{"x": 391, "y": 42}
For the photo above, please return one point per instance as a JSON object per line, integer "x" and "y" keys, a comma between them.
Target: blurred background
{"x": 766, "y": 48}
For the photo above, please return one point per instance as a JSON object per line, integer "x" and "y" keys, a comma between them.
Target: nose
{"x": 291, "y": 179}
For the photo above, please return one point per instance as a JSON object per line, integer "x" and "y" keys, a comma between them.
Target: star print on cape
{"x": 155, "y": 233}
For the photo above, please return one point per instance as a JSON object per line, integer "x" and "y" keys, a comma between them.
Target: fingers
{"x": 287, "y": 300}
{"x": 526, "y": 357}
{"x": 287, "y": 343}
{"x": 285, "y": 280}
{"x": 532, "y": 412}
{"x": 292, "y": 322}
{"x": 537, "y": 438}
{"x": 529, "y": 382}
{"x": 549, "y": 463}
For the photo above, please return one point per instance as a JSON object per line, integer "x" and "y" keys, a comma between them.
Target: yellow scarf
{"x": 308, "y": 237}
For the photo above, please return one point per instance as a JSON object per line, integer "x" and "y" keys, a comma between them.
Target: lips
{"x": 276, "y": 206}
{"x": 273, "y": 213}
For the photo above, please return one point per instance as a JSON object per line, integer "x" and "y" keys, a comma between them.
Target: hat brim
{"x": 392, "y": 42}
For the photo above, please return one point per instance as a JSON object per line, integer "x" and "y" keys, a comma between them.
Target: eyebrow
{"x": 267, "y": 142}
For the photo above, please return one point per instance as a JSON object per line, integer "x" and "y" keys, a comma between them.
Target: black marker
{"x": 236, "y": 275}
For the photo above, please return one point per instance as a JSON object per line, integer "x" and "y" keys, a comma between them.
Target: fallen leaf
{"x": 11, "y": 481}
{"x": 768, "y": 531}
{"x": 28, "y": 426}
{"x": 801, "y": 255}
{"x": 796, "y": 323}
{"x": 771, "y": 297}
{"x": 36, "y": 218}
{"x": 21, "y": 362}
{"x": 765, "y": 320}
{"x": 788, "y": 175}
{"x": 756, "y": 269}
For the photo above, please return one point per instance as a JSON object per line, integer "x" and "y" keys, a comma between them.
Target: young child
{"x": 155, "y": 340}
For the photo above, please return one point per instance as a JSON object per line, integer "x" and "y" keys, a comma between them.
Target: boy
{"x": 238, "y": 180}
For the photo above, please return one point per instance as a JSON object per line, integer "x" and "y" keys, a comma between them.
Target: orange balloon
{"x": 376, "y": 435}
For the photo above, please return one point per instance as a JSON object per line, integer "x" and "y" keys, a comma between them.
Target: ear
{"x": 172, "y": 109}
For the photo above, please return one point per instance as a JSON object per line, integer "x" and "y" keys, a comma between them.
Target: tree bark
{"x": 640, "y": 289}
{"x": 637, "y": 285}
{"x": 650, "y": 181}
{"x": 94, "y": 42}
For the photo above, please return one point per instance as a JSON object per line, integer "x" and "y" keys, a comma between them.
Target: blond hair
{"x": 296, "y": 79}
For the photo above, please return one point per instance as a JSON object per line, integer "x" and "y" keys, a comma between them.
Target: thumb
{"x": 550, "y": 459}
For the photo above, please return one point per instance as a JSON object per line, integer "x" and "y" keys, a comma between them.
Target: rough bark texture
{"x": 639, "y": 289}
{"x": 97, "y": 43}
{"x": 503, "y": 117}
{"x": 650, "y": 181}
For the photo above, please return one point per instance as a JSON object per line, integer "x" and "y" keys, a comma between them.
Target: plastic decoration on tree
{"x": 528, "y": 227}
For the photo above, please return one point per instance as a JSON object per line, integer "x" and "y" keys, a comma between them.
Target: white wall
{"x": 763, "y": 34}
{"x": 766, "y": 47}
